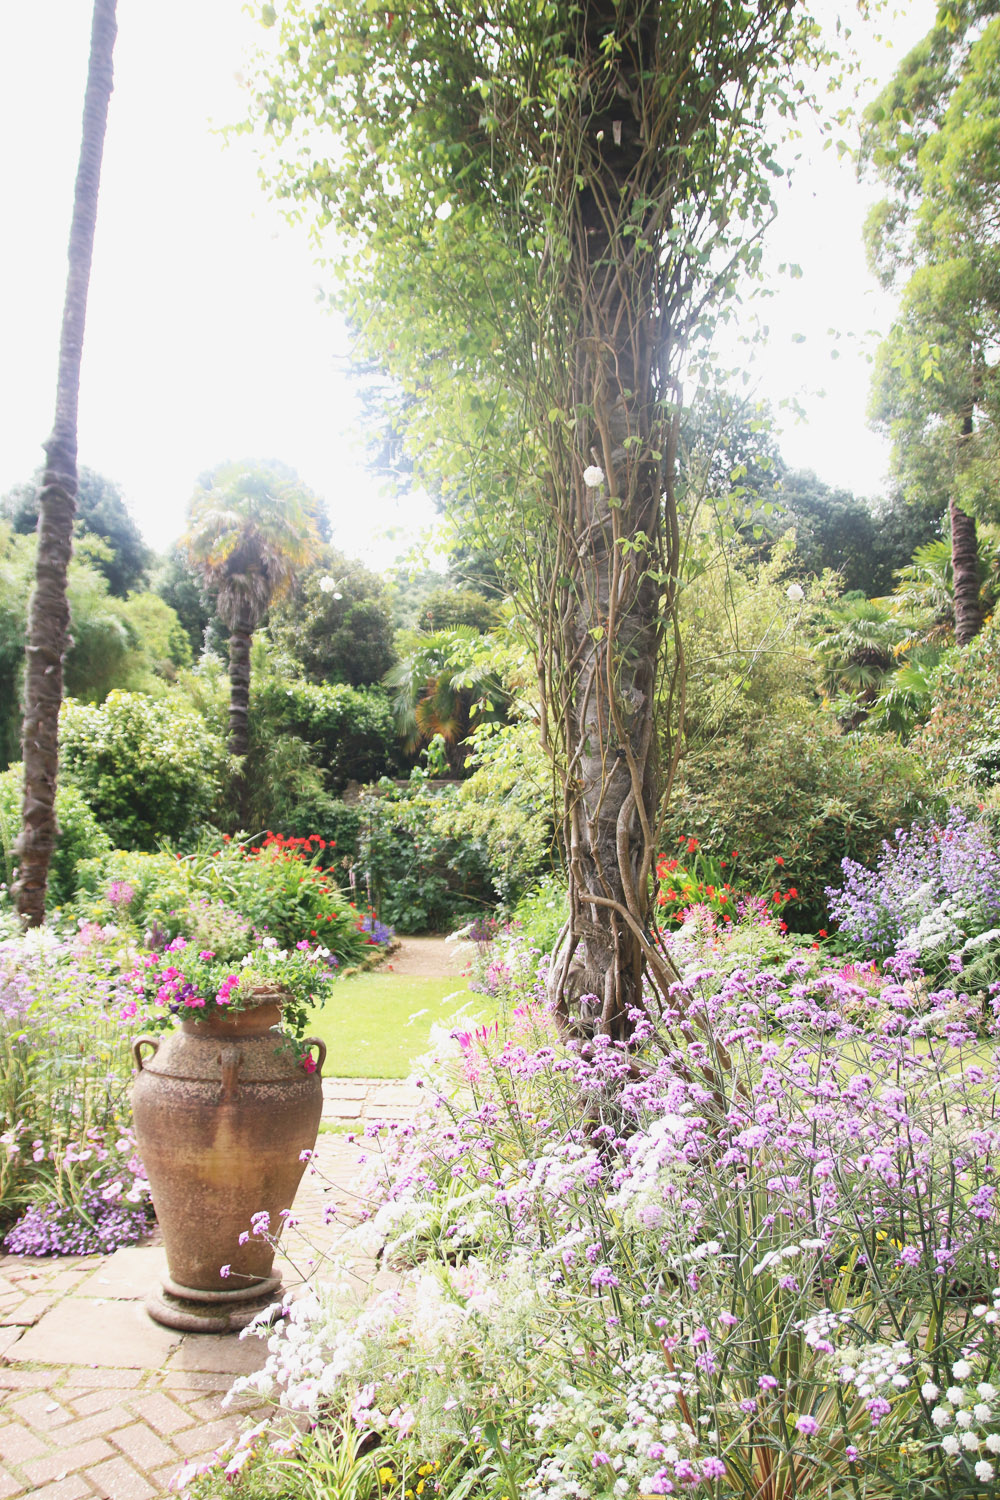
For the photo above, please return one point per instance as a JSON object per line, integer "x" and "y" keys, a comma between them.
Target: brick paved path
{"x": 98, "y": 1400}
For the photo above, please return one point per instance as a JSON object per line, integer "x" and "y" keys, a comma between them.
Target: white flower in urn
{"x": 593, "y": 477}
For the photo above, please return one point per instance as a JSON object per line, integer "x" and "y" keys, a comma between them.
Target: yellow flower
{"x": 387, "y": 1476}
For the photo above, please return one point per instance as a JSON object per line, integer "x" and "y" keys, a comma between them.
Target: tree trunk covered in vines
{"x": 552, "y": 198}
{"x": 48, "y": 616}
{"x": 611, "y": 627}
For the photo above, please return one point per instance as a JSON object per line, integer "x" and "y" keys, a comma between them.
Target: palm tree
{"x": 441, "y": 685}
{"x": 48, "y": 619}
{"x": 249, "y": 531}
{"x": 858, "y": 655}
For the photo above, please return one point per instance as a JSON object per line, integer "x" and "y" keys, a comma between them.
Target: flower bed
{"x": 753, "y": 1253}
{"x": 152, "y": 936}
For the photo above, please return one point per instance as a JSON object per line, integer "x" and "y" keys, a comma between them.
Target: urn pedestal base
{"x": 192, "y": 1311}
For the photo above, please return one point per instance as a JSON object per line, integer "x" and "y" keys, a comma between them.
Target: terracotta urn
{"x": 224, "y": 1110}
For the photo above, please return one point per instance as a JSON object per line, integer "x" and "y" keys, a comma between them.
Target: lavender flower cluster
{"x": 933, "y": 890}
{"x": 97, "y": 1225}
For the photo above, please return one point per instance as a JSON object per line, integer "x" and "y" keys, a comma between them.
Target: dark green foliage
{"x": 149, "y": 770}
{"x": 961, "y": 740}
{"x": 834, "y": 529}
{"x": 80, "y": 837}
{"x": 349, "y": 729}
{"x": 336, "y": 624}
{"x": 801, "y": 791}
{"x": 420, "y": 876}
{"x": 445, "y": 608}
{"x": 101, "y": 512}
{"x": 181, "y": 586}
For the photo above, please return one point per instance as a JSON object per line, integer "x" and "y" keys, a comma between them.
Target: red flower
{"x": 793, "y": 894}
{"x": 692, "y": 845}
{"x": 822, "y": 932}
{"x": 778, "y": 860}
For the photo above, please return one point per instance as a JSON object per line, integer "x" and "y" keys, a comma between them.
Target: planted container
{"x": 224, "y": 1108}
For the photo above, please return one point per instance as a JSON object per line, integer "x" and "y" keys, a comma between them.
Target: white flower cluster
{"x": 658, "y": 1167}
{"x": 876, "y": 1369}
{"x": 941, "y": 928}
{"x": 632, "y": 1442}
{"x": 775, "y": 1258}
{"x": 821, "y": 1329}
{"x": 972, "y": 1415}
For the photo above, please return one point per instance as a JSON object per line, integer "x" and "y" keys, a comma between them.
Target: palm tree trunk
{"x": 239, "y": 687}
{"x": 965, "y": 573}
{"x": 48, "y": 618}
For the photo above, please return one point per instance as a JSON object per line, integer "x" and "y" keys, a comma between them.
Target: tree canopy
{"x": 540, "y": 204}
{"x": 934, "y": 138}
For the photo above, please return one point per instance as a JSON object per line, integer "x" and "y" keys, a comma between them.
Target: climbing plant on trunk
{"x": 543, "y": 203}
{"x": 48, "y": 617}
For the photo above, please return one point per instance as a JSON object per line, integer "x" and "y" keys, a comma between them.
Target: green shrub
{"x": 803, "y": 793}
{"x": 961, "y": 740}
{"x": 81, "y": 836}
{"x": 350, "y": 729}
{"x": 149, "y": 770}
{"x": 422, "y": 876}
{"x": 542, "y": 911}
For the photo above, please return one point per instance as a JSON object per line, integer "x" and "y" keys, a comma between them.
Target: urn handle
{"x": 315, "y": 1041}
{"x": 229, "y": 1060}
{"x": 144, "y": 1041}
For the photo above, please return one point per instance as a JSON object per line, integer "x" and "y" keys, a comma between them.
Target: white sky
{"x": 205, "y": 340}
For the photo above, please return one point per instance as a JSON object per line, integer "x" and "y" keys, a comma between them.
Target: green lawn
{"x": 375, "y": 1024}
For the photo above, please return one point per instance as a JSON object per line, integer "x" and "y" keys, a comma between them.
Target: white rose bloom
{"x": 795, "y": 592}
{"x": 593, "y": 477}
{"x": 327, "y": 584}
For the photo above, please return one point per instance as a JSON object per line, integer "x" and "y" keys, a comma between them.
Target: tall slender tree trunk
{"x": 965, "y": 574}
{"x": 48, "y": 618}
{"x": 239, "y": 686}
{"x": 239, "y": 708}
